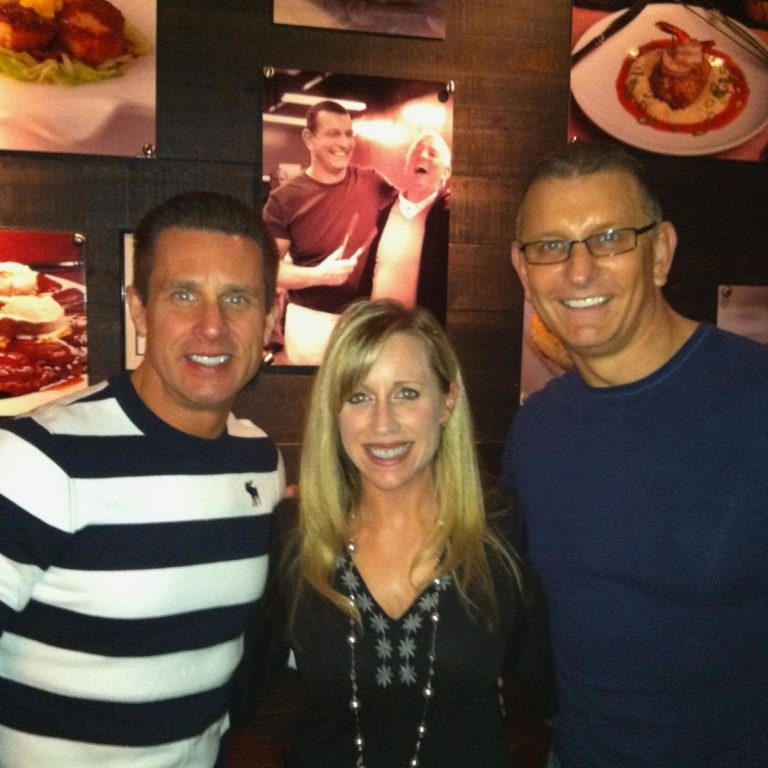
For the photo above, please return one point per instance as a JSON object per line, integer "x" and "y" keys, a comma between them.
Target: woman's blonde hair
{"x": 329, "y": 483}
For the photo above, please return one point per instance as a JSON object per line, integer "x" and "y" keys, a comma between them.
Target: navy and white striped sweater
{"x": 131, "y": 555}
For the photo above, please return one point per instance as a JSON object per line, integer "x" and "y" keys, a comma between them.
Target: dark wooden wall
{"x": 509, "y": 61}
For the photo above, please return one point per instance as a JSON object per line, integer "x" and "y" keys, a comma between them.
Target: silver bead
{"x": 354, "y": 703}
{"x": 414, "y": 762}
{"x": 435, "y": 617}
{"x": 359, "y": 742}
{"x": 422, "y": 731}
{"x": 428, "y": 692}
{"x": 351, "y": 639}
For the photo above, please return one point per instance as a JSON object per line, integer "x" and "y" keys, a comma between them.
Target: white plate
{"x": 593, "y": 84}
{"x": 10, "y": 406}
{"x": 111, "y": 117}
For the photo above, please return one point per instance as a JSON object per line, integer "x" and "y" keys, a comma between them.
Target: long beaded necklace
{"x": 427, "y": 691}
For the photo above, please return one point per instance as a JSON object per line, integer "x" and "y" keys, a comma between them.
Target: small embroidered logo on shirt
{"x": 254, "y": 493}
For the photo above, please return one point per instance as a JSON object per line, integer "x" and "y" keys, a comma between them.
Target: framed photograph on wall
{"x": 43, "y": 328}
{"x": 543, "y": 357}
{"x": 743, "y": 309}
{"x": 671, "y": 78}
{"x": 411, "y": 18}
{"x": 357, "y": 195}
{"x": 65, "y": 89}
{"x": 133, "y": 344}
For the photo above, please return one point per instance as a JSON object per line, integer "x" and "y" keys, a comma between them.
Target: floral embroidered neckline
{"x": 395, "y": 656}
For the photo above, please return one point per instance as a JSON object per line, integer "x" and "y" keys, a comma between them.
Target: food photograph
{"x": 43, "y": 333}
{"x": 414, "y": 18}
{"x": 77, "y": 76}
{"x": 543, "y": 357}
{"x": 743, "y": 309}
{"x": 671, "y": 78}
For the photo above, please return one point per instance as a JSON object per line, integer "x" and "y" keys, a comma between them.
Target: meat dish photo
{"x": 43, "y": 337}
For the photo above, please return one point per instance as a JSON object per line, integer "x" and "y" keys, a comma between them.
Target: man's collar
{"x": 410, "y": 209}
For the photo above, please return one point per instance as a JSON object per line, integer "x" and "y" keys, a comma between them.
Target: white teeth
{"x": 209, "y": 360}
{"x": 388, "y": 453}
{"x": 591, "y": 301}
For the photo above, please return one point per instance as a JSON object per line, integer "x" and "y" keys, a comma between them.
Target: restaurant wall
{"x": 510, "y": 65}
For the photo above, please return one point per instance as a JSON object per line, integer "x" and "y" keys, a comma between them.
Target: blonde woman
{"x": 406, "y": 599}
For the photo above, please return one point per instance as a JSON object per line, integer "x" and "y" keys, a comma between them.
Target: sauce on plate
{"x": 737, "y": 85}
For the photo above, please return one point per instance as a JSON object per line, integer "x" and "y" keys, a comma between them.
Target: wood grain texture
{"x": 482, "y": 276}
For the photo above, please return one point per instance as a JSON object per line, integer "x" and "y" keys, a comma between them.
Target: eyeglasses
{"x": 611, "y": 242}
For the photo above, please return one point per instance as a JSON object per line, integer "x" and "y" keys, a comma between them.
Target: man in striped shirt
{"x": 134, "y": 516}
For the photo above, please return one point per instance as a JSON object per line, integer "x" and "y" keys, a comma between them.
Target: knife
{"x": 618, "y": 23}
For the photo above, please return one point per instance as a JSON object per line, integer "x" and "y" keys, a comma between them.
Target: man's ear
{"x": 664, "y": 245}
{"x": 306, "y": 137}
{"x": 271, "y": 319}
{"x": 520, "y": 265}
{"x": 137, "y": 310}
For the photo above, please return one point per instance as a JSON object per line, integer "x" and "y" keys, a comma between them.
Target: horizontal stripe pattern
{"x": 168, "y": 498}
{"x": 87, "y": 416}
{"x": 153, "y": 591}
{"x": 126, "y": 456}
{"x": 131, "y": 574}
{"x": 26, "y": 538}
{"x": 16, "y": 580}
{"x": 24, "y": 750}
{"x": 142, "y": 637}
{"x": 166, "y": 544}
{"x": 108, "y": 722}
{"x": 23, "y": 469}
{"x": 127, "y": 680}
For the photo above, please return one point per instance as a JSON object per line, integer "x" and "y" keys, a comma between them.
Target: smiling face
{"x": 390, "y": 424}
{"x": 427, "y": 167}
{"x": 205, "y": 325}
{"x": 606, "y": 308}
{"x": 330, "y": 145}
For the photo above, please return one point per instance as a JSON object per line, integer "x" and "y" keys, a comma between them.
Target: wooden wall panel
{"x": 489, "y": 346}
{"x": 483, "y": 209}
{"x": 491, "y": 140}
{"x": 718, "y": 208}
{"x": 277, "y": 401}
{"x": 82, "y": 192}
{"x": 481, "y": 276}
{"x": 515, "y": 20}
